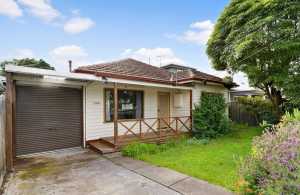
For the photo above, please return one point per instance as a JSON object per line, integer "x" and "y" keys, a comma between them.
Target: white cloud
{"x": 24, "y": 53}
{"x": 198, "y": 33}
{"x": 41, "y": 9}
{"x": 203, "y": 25}
{"x": 10, "y": 8}
{"x": 158, "y": 56}
{"x": 61, "y": 55}
{"x": 78, "y": 24}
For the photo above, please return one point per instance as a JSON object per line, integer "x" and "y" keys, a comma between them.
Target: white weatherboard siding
{"x": 199, "y": 88}
{"x": 96, "y": 127}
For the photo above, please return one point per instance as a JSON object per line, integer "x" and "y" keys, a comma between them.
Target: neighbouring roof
{"x": 131, "y": 69}
{"x": 176, "y": 66}
{"x": 197, "y": 75}
{"x": 247, "y": 92}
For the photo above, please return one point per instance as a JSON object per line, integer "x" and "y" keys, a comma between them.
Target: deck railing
{"x": 151, "y": 128}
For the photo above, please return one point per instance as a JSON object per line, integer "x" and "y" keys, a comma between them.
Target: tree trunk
{"x": 276, "y": 99}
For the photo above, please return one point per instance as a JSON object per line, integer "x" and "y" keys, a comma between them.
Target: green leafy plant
{"x": 210, "y": 118}
{"x": 291, "y": 117}
{"x": 261, "y": 109}
{"x": 2, "y": 87}
{"x": 137, "y": 149}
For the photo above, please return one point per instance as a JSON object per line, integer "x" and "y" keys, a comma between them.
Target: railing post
{"x": 191, "y": 110}
{"x": 159, "y": 130}
{"x": 115, "y": 115}
{"x": 176, "y": 119}
{"x": 141, "y": 128}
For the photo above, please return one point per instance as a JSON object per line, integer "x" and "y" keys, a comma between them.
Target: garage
{"x": 47, "y": 118}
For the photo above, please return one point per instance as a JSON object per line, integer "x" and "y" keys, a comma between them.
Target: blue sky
{"x": 94, "y": 31}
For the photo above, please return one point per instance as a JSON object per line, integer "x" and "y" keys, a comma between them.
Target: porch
{"x": 146, "y": 130}
{"x": 139, "y": 114}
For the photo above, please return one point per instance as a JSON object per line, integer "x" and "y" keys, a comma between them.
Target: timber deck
{"x": 106, "y": 145}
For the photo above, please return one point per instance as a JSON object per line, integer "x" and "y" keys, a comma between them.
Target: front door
{"x": 163, "y": 109}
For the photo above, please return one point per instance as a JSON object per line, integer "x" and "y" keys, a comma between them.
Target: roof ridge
{"x": 120, "y": 61}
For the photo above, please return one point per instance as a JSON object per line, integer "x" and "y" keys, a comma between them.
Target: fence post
{"x": 2, "y": 140}
{"x": 9, "y": 103}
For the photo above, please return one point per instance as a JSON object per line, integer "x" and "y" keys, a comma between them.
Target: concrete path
{"x": 183, "y": 184}
{"x": 85, "y": 172}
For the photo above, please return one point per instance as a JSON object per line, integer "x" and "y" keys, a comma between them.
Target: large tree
{"x": 27, "y": 62}
{"x": 262, "y": 39}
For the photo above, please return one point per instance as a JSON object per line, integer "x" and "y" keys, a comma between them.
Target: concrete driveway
{"x": 86, "y": 172}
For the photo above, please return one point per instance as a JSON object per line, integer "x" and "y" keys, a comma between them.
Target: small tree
{"x": 27, "y": 62}
{"x": 2, "y": 87}
{"x": 210, "y": 119}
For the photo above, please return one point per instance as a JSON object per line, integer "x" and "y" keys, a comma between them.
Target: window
{"x": 130, "y": 104}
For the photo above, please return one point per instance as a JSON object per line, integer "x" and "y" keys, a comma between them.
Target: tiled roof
{"x": 197, "y": 75}
{"x": 128, "y": 69}
{"x": 131, "y": 69}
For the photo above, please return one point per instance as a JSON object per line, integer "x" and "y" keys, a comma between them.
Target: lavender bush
{"x": 274, "y": 164}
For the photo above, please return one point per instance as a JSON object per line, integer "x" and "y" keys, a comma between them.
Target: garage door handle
{"x": 52, "y": 129}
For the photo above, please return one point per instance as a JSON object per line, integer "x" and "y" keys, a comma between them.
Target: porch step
{"x": 102, "y": 147}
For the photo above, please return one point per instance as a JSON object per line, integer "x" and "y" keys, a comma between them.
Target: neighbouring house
{"x": 105, "y": 105}
{"x": 2, "y": 84}
{"x": 235, "y": 93}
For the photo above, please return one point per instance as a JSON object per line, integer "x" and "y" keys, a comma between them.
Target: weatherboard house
{"x": 103, "y": 106}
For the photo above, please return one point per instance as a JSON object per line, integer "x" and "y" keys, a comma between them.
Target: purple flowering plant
{"x": 273, "y": 167}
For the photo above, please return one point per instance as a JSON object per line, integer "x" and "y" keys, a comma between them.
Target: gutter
{"x": 74, "y": 76}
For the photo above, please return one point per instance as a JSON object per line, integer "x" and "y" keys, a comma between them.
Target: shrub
{"x": 210, "y": 119}
{"x": 136, "y": 149}
{"x": 261, "y": 109}
{"x": 274, "y": 164}
{"x": 291, "y": 117}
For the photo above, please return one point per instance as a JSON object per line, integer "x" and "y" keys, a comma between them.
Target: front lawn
{"x": 215, "y": 162}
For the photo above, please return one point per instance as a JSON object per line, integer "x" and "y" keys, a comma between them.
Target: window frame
{"x": 122, "y": 89}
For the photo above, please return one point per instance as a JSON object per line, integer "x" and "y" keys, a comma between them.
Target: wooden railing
{"x": 151, "y": 128}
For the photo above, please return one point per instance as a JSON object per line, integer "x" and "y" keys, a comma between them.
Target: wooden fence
{"x": 239, "y": 115}
{"x": 2, "y": 136}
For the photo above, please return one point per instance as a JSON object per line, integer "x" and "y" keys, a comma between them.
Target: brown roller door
{"x": 47, "y": 118}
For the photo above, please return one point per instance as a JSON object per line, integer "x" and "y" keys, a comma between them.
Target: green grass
{"x": 215, "y": 162}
